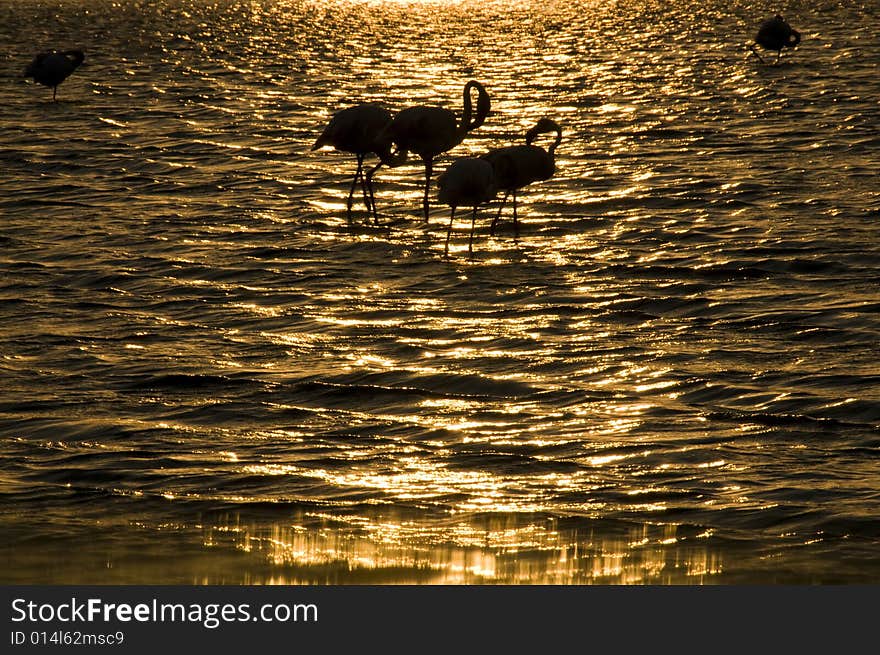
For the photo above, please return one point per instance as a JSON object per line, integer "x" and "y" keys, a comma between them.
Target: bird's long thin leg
{"x": 370, "y": 174}
{"x": 449, "y": 231}
{"x": 778, "y": 55}
{"x": 429, "y": 165}
{"x": 498, "y": 215}
{"x": 54, "y": 91}
{"x": 365, "y": 191}
{"x": 515, "y": 224}
{"x": 755, "y": 52}
{"x": 473, "y": 223}
{"x": 357, "y": 176}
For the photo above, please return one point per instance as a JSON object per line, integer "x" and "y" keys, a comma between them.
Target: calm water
{"x": 207, "y": 376}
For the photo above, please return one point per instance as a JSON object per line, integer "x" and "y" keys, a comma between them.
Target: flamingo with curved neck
{"x": 429, "y": 131}
{"x": 518, "y": 166}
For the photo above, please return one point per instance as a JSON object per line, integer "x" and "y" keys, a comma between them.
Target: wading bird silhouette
{"x": 429, "y": 131}
{"x": 775, "y": 34}
{"x": 51, "y": 68}
{"x": 468, "y": 182}
{"x": 518, "y": 166}
{"x": 358, "y": 130}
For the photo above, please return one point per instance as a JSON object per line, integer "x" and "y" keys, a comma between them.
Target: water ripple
{"x": 668, "y": 375}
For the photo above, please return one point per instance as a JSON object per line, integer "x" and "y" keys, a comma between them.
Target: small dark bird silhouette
{"x": 357, "y": 130}
{"x": 468, "y": 182}
{"x": 775, "y": 34}
{"x": 429, "y": 131}
{"x": 51, "y": 68}
{"x": 518, "y": 166}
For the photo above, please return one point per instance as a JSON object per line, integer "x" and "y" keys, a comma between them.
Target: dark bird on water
{"x": 429, "y": 131}
{"x": 360, "y": 130}
{"x": 775, "y": 34}
{"x": 51, "y": 68}
{"x": 518, "y": 166}
{"x": 468, "y": 182}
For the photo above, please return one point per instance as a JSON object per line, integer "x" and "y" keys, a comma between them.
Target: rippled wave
{"x": 669, "y": 376}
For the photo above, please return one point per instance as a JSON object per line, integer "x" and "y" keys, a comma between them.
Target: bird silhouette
{"x": 775, "y": 34}
{"x": 429, "y": 131}
{"x": 518, "y": 166}
{"x": 51, "y": 68}
{"x": 358, "y": 130}
{"x": 468, "y": 182}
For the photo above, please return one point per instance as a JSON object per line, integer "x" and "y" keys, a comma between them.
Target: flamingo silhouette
{"x": 518, "y": 166}
{"x": 358, "y": 130}
{"x": 429, "y": 131}
{"x": 469, "y": 181}
{"x": 775, "y": 34}
{"x": 51, "y": 68}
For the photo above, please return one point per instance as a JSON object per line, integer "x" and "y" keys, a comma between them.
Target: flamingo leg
{"x": 473, "y": 223}
{"x": 498, "y": 215}
{"x": 515, "y": 224}
{"x": 370, "y": 174}
{"x": 357, "y": 176}
{"x": 755, "y": 52}
{"x": 365, "y": 191}
{"x": 429, "y": 165}
{"x": 449, "y": 231}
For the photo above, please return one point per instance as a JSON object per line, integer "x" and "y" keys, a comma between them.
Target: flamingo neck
{"x": 544, "y": 126}
{"x": 467, "y": 111}
{"x": 469, "y": 120}
{"x": 556, "y": 142}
